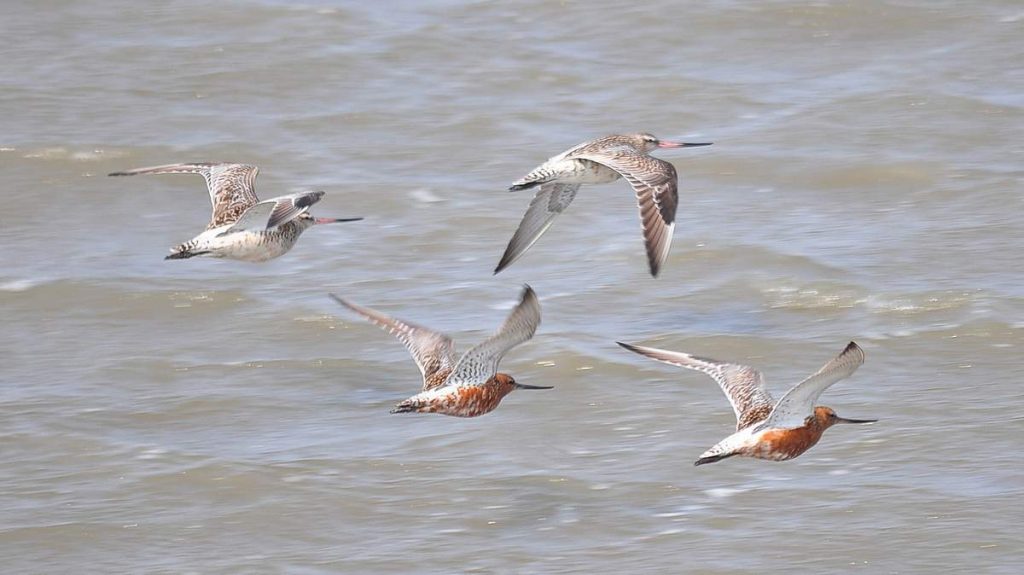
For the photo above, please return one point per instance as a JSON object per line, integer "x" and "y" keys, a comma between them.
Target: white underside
{"x": 745, "y": 437}
{"x": 584, "y": 172}
{"x": 247, "y": 246}
{"x": 574, "y": 171}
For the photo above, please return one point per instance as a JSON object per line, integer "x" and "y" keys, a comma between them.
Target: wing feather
{"x": 433, "y": 351}
{"x": 480, "y": 364}
{"x": 656, "y": 186}
{"x": 743, "y": 385}
{"x": 550, "y": 201}
{"x": 798, "y": 403}
{"x": 232, "y": 187}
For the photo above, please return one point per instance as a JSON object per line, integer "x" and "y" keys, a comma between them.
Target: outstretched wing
{"x": 480, "y": 364}
{"x": 232, "y": 187}
{"x": 550, "y": 200}
{"x": 433, "y": 351}
{"x": 656, "y": 186}
{"x": 275, "y": 212}
{"x": 742, "y": 384}
{"x": 798, "y": 403}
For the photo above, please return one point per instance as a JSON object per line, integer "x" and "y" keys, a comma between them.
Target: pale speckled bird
{"x": 471, "y": 386}
{"x": 598, "y": 162}
{"x": 242, "y": 227}
{"x": 766, "y": 429}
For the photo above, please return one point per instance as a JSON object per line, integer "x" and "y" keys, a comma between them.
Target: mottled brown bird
{"x": 598, "y": 162}
{"x": 242, "y": 227}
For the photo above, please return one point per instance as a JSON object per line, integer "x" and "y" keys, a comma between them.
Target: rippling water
{"x": 219, "y": 417}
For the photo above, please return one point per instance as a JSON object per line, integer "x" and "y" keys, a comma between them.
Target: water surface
{"x": 219, "y": 417}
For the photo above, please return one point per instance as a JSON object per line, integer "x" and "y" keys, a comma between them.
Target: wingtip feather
{"x": 855, "y": 351}
{"x": 528, "y": 292}
{"x": 342, "y": 301}
{"x": 511, "y": 254}
{"x": 628, "y": 346}
{"x": 501, "y": 265}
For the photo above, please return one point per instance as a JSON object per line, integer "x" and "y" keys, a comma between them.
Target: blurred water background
{"x": 208, "y": 416}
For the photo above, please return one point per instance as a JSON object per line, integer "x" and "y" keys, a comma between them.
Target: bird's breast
{"x": 252, "y": 246}
{"x": 472, "y": 400}
{"x": 782, "y": 444}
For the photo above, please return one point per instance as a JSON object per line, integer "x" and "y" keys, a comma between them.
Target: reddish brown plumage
{"x": 472, "y": 385}
{"x": 783, "y": 444}
{"x": 765, "y": 428}
{"x": 460, "y": 401}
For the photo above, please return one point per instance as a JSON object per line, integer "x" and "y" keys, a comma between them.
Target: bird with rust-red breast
{"x": 472, "y": 385}
{"x": 768, "y": 429}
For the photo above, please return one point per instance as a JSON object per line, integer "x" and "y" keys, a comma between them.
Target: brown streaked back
{"x": 232, "y": 187}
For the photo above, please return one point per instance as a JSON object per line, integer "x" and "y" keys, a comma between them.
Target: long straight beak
{"x": 844, "y": 420}
{"x": 524, "y": 386}
{"x": 334, "y": 220}
{"x": 667, "y": 144}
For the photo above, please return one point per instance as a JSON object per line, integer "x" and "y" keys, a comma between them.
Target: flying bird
{"x": 765, "y": 428}
{"x": 242, "y": 227}
{"x": 472, "y": 385}
{"x": 598, "y": 162}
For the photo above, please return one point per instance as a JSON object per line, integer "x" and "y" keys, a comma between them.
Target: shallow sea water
{"x": 208, "y": 416}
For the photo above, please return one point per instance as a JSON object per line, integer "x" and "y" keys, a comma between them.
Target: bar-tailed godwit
{"x": 242, "y": 227}
{"x": 766, "y": 429}
{"x": 598, "y": 162}
{"x": 472, "y": 385}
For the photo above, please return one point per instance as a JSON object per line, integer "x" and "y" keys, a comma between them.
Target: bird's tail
{"x": 712, "y": 458}
{"x": 521, "y": 185}
{"x": 728, "y": 447}
{"x": 185, "y": 251}
{"x": 411, "y": 405}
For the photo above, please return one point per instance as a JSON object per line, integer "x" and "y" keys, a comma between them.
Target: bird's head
{"x": 826, "y": 417}
{"x": 648, "y": 142}
{"x": 508, "y": 383}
